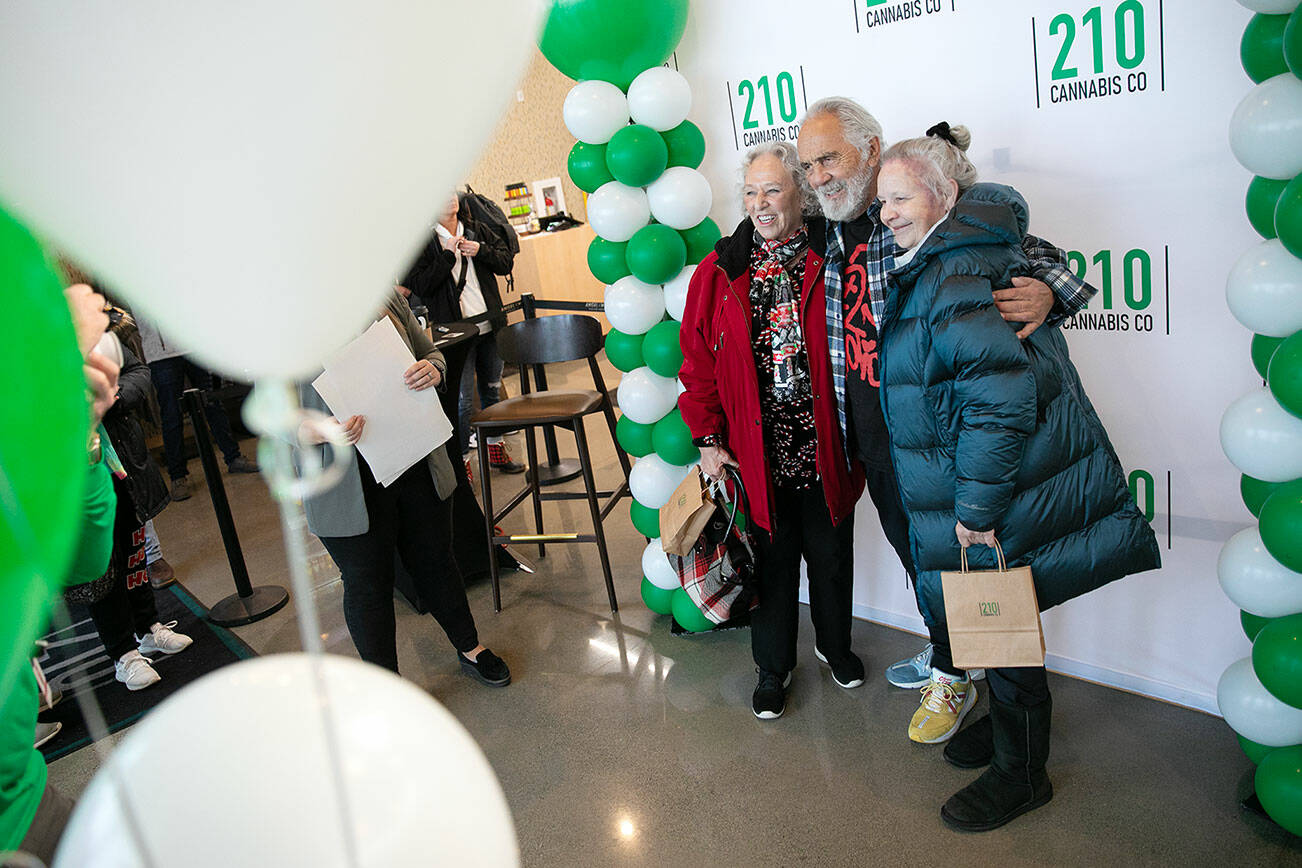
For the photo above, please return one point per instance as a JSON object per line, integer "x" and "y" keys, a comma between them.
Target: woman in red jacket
{"x": 759, "y": 396}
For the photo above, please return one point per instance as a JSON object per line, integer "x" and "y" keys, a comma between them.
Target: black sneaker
{"x": 487, "y": 668}
{"x": 847, "y": 673}
{"x": 181, "y": 488}
{"x": 770, "y": 697}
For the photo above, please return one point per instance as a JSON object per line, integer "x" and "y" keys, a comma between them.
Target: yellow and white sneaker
{"x": 945, "y": 701}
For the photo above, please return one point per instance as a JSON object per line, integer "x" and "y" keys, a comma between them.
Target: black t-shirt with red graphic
{"x": 867, "y": 435}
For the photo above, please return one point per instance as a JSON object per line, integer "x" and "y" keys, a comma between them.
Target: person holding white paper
{"x": 364, "y": 523}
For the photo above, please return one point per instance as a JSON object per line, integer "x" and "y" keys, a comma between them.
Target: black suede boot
{"x": 1015, "y": 782}
{"x": 973, "y": 746}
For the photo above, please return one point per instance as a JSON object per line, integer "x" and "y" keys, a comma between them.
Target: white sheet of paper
{"x": 364, "y": 378}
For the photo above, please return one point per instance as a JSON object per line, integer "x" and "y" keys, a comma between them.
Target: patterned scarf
{"x": 772, "y": 288}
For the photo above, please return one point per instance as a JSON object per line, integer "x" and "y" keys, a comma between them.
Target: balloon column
{"x": 636, "y": 156}
{"x": 1260, "y": 568}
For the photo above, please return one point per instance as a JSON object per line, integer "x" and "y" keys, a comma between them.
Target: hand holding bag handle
{"x": 999, "y": 558}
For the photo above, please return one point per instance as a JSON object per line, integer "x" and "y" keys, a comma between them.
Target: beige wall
{"x": 531, "y": 142}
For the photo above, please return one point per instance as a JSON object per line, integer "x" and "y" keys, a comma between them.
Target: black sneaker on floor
{"x": 847, "y": 673}
{"x": 770, "y": 697}
{"x": 181, "y": 488}
{"x": 486, "y": 668}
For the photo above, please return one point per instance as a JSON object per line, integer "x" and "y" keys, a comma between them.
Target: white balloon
{"x": 617, "y": 210}
{"x": 656, "y": 566}
{"x": 237, "y": 189}
{"x": 261, "y": 788}
{"x": 680, "y": 197}
{"x": 653, "y": 480}
{"x": 594, "y": 111}
{"x": 1270, "y": 7}
{"x": 660, "y": 98}
{"x": 1256, "y": 582}
{"x": 633, "y": 306}
{"x": 645, "y": 396}
{"x": 1264, "y": 290}
{"x": 1261, "y": 438}
{"x": 676, "y": 292}
{"x": 1251, "y": 710}
{"x": 680, "y": 387}
{"x": 1266, "y": 129}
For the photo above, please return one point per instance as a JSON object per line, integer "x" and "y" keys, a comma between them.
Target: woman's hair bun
{"x": 958, "y": 136}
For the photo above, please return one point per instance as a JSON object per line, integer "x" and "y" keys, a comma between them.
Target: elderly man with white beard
{"x": 840, "y": 147}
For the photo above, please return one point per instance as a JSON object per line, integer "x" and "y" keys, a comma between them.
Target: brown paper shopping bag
{"x": 685, "y": 515}
{"x": 993, "y": 616}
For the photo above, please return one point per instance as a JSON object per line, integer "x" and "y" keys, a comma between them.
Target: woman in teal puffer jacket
{"x": 992, "y": 438}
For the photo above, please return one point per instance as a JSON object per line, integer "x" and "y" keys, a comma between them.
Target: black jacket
{"x": 433, "y": 280}
{"x": 144, "y": 481}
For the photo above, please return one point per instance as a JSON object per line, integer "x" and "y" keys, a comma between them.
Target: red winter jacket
{"x": 722, "y": 385}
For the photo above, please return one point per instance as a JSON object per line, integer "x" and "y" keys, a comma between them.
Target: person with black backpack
{"x": 455, "y": 276}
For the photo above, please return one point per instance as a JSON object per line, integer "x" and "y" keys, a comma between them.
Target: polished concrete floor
{"x": 620, "y": 744}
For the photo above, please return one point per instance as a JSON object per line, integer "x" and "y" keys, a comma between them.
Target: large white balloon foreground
{"x": 257, "y": 174}
{"x": 234, "y": 770}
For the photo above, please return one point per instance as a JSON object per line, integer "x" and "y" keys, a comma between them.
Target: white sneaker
{"x": 161, "y": 637}
{"x": 133, "y": 670}
{"x": 47, "y": 731}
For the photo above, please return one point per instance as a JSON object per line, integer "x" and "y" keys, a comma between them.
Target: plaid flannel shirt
{"x": 1048, "y": 263}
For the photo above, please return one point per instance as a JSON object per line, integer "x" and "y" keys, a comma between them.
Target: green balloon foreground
{"x": 1277, "y": 659}
{"x": 1256, "y": 752}
{"x": 686, "y": 145}
{"x": 1261, "y": 50}
{"x": 1263, "y": 347}
{"x": 662, "y": 352}
{"x": 1260, "y": 201}
{"x": 1255, "y": 492}
{"x": 634, "y": 437}
{"x": 673, "y": 441}
{"x": 587, "y": 167}
{"x": 43, "y": 429}
{"x": 1281, "y": 524}
{"x": 611, "y": 40}
{"x": 658, "y": 600}
{"x": 624, "y": 350}
{"x": 645, "y": 519}
{"x": 1284, "y": 374}
{"x": 608, "y": 260}
{"x": 636, "y": 155}
{"x": 1252, "y": 624}
{"x": 700, "y": 240}
{"x": 1279, "y": 786}
{"x": 1288, "y": 216}
{"x": 656, "y": 253}
{"x": 687, "y": 615}
{"x": 1293, "y": 42}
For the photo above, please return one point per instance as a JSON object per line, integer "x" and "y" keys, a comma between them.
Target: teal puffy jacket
{"x": 993, "y": 431}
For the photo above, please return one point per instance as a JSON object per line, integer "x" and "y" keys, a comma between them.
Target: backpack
{"x": 490, "y": 216}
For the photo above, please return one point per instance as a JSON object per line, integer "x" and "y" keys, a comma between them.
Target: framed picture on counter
{"x": 548, "y": 197}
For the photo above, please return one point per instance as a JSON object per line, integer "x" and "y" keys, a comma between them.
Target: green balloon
{"x": 673, "y": 440}
{"x": 624, "y": 351}
{"x": 1288, "y": 217}
{"x": 700, "y": 240}
{"x": 44, "y": 425}
{"x": 636, "y": 155}
{"x": 607, "y": 260}
{"x": 1256, "y": 752}
{"x": 1263, "y": 347}
{"x": 645, "y": 519}
{"x": 611, "y": 40}
{"x": 1262, "y": 197}
{"x": 587, "y": 164}
{"x": 1261, "y": 50}
{"x": 1284, "y": 374}
{"x": 1279, "y": 786}
{"x": 658, "y": 600}
{"x": 1277, "y": 659}
{"x": 1252, "y": 624}
{"x": 656, "y": 254}
{"x": 634, "y": 437}
{"x": 1293, "y": 42}
{"x": 1280, "y": 522}
{"x": 687, "y": 615}
{"x": 661, "y": 350}
{"x": 686, "y": 145}
{"x": 1255, "y": 492}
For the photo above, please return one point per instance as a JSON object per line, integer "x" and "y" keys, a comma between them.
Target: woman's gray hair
{"x": 938, "y": 160}
{"x": 786, "y": 154}
{"x": 857, "y": 124}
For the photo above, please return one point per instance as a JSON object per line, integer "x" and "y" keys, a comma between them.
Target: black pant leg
{"x": 775, "y": 622}
{"x": 112, "y": 615}
{"x": 1025, "y": 686}
{"x": 885, "y": 493}
{"x": 424, "y": 539}
{"x": 366, "y": 567}
{"x": 829, "y": 556}
{"x": 941, "y": 656}
{"x": 218, "y": 423}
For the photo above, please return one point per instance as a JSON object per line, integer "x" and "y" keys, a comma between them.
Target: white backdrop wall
{"x": 1129, "y": 167}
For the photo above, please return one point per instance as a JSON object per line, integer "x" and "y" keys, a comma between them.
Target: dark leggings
{"x": 410, "y": 520}
{"x": 128, "y": 610}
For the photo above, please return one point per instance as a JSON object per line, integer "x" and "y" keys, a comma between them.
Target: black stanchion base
{"x": 236, "y": 611}
{"x": 562, "y": 471}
